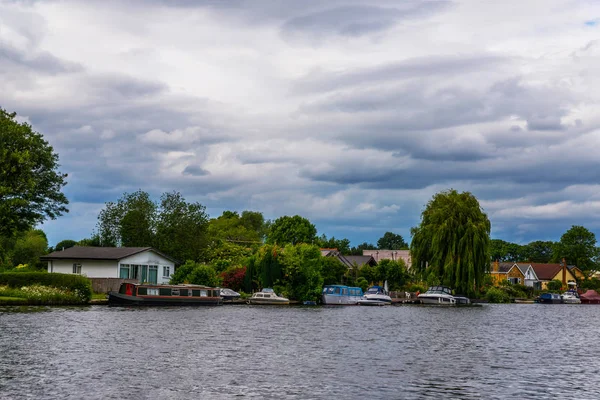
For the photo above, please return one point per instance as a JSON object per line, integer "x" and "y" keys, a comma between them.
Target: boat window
{"x": 152, "y": 291}
{"x": 183, "y": 292}
{"x": 164, "y": 291}
{"x": 337, "y": 290}
{"x": 259, "y": 295}
{"x": 195, "y": 293}
{"x": 267, "y": 295}
{"x": 142, "y": 291}
{"x": 175, "y": 292}
{"x": 203, "y": 293}
{"x": 330, "y": 290}
{"x": 345, "y": 291}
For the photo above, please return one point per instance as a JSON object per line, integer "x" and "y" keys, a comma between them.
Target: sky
{"x": 352, "y": 114}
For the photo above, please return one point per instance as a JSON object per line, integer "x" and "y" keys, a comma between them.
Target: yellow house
{"x": 550, "y": 272}
{"x": 506, "y": 271}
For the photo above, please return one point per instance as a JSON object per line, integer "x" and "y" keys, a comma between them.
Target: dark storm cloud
{"x": 195, "y": 170}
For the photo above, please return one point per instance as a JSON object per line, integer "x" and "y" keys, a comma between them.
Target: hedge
{"x": 78, "y": 283}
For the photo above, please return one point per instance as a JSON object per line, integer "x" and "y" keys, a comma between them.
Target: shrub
{"x": 77, "y": 284}
{"x": 554, "y": 285}
{"x": 496, "y": 295}
{"x": 233, "y": 278}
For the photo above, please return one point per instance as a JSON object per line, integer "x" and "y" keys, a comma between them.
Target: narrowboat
{"x": 165, "y": 295}
{"x": 341, "y": 295}
{"x": 442, "y": 295}
{"x": 267, "y": 296}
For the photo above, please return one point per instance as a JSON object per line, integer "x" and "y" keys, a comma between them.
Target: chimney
{"x": 564, "y": 271}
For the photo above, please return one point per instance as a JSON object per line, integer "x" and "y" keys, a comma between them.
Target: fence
{"x": 105, "y": 285}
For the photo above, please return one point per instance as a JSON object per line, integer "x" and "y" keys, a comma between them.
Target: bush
{"x": 496, "y": 295}
{"x": 554, "y": 285}
{"x": 77, "y": 285}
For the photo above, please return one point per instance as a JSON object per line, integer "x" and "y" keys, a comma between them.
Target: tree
{"x": 65, "y": 244}
{"x": 292, "y": 230}
{"x": 343, "y": 245}
{"x": 578, "y": 247}
{"x": 358, "y": 250}
{"x": 30, "y": 185}
{"x": 197, "y": 274}
{"x": 391, "y": 241}
{"x": 249, "y": 228}
{"x": 29, "y": 247}
{"x": 539, "y": 251}
{"x": 451, "y": 243}
{"x": 332, "y": 270}
{"x": 302, "y": 266}
{"x": 507, "y": 251}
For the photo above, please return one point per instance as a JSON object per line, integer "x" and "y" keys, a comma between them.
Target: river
{"x": 516, "y": 351}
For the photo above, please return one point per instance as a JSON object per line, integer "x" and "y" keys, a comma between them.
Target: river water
{"x": 527, "y": 351}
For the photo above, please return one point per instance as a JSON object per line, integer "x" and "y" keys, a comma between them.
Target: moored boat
{"x": 376, "y": 296}
{"x": 442, "y": 295}
{"x": 341, "y": 295}
{"x": 549, "y": 298}
{"x": 267, "y": 296}
{"x": 161, "y": 295}
{"x": 570, "y": 297}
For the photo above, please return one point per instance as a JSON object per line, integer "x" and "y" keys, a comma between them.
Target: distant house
{"x": 501, "y": 271}
{"x": 144, "y": 264}
{"x": 550, "y": 272}
{"x": 393, "y": 255}
{"x": 531, "y": 279}
{"x": 577, "y": 273}
{"x": 349, "y": 261}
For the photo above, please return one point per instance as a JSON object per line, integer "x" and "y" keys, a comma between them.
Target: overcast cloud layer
{"x": 350, "y": 113}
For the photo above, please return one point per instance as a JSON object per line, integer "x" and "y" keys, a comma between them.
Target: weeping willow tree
{"x": 451, "y": 244}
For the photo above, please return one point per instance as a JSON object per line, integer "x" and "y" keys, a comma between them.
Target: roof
{"x": 350, "y": 261}
{"x": 329, "y": 252}
{"x": 99, "y": 253}
{"x": 503, "y": 268}
{"x": 546, "y": 272}
{"x": 523, "y": 267}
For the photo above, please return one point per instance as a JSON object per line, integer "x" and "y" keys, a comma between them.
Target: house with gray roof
{"x": 143, "y": 264}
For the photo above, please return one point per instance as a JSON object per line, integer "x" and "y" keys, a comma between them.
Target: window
{"x": 514, "y": 281}
{"x": 166, "y": 272}
{"x": 153, "y": 291}
{"x": 124, "y": 271}
{"x": 77, "y": 268}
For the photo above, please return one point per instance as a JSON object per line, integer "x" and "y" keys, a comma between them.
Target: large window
{"x": 124, "y": 271}
{"x": 77, "y": 268}
{"x": 166, "y": 272}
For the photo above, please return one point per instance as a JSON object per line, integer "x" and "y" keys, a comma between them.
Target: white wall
{"x": 151, "y": 258}
{"x": 89, "y": 268}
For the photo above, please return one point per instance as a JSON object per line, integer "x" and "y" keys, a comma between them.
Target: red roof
{"x": 546, "y": 272}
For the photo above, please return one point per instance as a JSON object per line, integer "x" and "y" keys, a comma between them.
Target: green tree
{"x": 343, "y": 245}
{"x": 302, "y": 264}
{"x": 394, "y": 272}
{"x": 332, "y": 270}
{"x": 30, "y": 185}
{"x": 392, "y": 241}
{"x": 249, "y": 228}
{"x": 358, "y": 250}
{"x": 29, "y": 247}
{"x": 197, "y": 274}
{"x": 539, "y": 251}
{"x": 292, "y": 230}
{"x": 65, "y": 244}
{"x": 181, "y": 229}
{"x": 452, "y": 241}
{"x": 578, "y": 247}
{"x": 503, "y": 251}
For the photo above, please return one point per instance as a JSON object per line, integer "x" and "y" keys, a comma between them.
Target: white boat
{"x": 341, "y": 295}
{"x": 376, "y": 296}
{"x": 570, "y": 297}
{"x": 442, "y": 295}
{"x": 268, "y": 297}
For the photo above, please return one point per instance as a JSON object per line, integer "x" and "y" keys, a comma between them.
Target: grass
{"x": 98, "y": 296}
{"x": 5, "y": 301}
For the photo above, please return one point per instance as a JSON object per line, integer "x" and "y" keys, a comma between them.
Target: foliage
{"x": 578, "y": 246}
{"x": 332, "y": 270}
{"x": 65, "y": 244}
{"x": 268, "y": 265}
{"x": 93, "y": 241}
{"x": 362, "y": 283}
{"x": 506, "y": 252}
{"x": 30, "y": 185}
{"x": 74, "y": 283}
{"x": 29, "y": 247}
{"x": 302, "y": 264}
{"x": 392, "y": 241}
{"x": 452, "y": 241}
{"x": 233, "y": 278}
{"x": 342, "y": 245}
{"x": 539, "y": 251}
{"x": 247, "y": 229}
{"x": 394, "y": 272}
{"x": 292, "y": 230}
{"x": 197, "y": 274}
{"x": 222, "y": 255}
{"x": 358, "y": 250}
{"x": 554, "y": 285}
{"x": 497, "y": 295}
{"x": 47, "y": 295}
{"x": 592, "y": 283}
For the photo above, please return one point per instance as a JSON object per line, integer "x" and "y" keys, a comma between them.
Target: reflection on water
{"x": 495, "y": 351}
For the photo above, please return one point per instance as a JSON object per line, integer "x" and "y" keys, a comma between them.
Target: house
{"x": 393, "y": 255}
{"x": 349, "y": 261}
{"x": 531, "y": 279}
{"x": 511, "y": 272}
{"x": 550, "y": 272}
{"x": 143, "y": 264}
{"x": 577, "y": 273}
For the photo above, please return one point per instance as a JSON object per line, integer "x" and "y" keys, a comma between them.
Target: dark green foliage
{"x": 452, "y": 242}
{"x": 497, "y": 295}
{"x": 293, "y": 230}
{"x": 332, "y": 270}
{"x": 248, "y": 229}
{"x": 539, "y": 251}
{"x": 302, "y": 264}
{"x": 78, "y": 283}
{"x": 392, "y": 241}
{"x": 578, "y": 246}
{"x": 507, "y": 252}
{"x": 394, "y": 272}
{"x": 65, "y": 244}
{"x": 251, "y": 277}
{"x": 592, "y": 283}
{"x": 194, "y": 273}
{"x": 269, "y": 265}
{"x": 28, "y": 249}
{"x": 342, "y": 245}
{"x": 358, "y": 250}
{"x": 30, "y": 185}
{"x": 554, "y": 285}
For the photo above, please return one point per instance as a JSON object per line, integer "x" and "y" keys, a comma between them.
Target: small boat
{"x": 165, "y": 295}
{"x": 267, "y": 297}
{"x": 570, "y": 297}
{"x": 376, "y": 296}
{"x": 549, "y": 298}
{"x": 341, "y": 295}
{"x": 228, "y": 294}
{"x": 442, "y": 295}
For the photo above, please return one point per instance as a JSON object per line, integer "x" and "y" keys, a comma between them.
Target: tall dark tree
{"x": 30, "y": 185}
{"x": 343, "y": 245}
{"x": 392, "y": 241}
{"x": 292, "y": 230}
{"x": 503, "y": 251}
{"x": 65, "y": 244}
{"x": 578, "y": 247}
{"x": 451, "y": 244}
{"x": 539, "y": 251}
{"x": 358, "y": 250}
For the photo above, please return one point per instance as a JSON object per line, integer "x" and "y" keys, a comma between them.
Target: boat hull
{"x": 119, "y": 299}
{"x": 373, "y": 302}
{"x": 340, "y": 300}
{"x": 268, "y": 302}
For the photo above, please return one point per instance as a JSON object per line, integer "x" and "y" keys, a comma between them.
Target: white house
{"x": 142, "y": 263}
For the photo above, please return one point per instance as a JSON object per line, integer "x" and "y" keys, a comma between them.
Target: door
{"x": 153, "y": 274}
